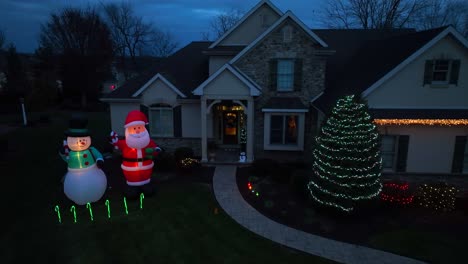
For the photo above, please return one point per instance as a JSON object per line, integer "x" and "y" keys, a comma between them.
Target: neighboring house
{"x": 277, "y": 79}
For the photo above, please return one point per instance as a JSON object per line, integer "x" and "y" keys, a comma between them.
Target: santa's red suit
{"x": 137, "y": 163}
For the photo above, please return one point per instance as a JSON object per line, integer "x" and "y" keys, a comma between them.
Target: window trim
{"x": 292, "y": 74}
{"x": 395, "y": 153}
{"x": 151, "y": 119}
{"x": 267, "y": 129}
{"x": 465, "y": 160}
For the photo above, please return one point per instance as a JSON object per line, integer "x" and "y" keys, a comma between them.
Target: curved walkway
{"x": 230, "y": 199}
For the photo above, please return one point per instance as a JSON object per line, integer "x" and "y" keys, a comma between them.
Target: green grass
{"x": 175, "y": 226}
{"x": 429, "y": 246}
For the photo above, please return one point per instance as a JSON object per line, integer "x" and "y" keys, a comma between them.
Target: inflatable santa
{"x": 138, "y": 151}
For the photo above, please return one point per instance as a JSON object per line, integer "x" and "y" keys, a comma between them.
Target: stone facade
{"x": 171, "y": 144}
{"x": 255, "y": 64}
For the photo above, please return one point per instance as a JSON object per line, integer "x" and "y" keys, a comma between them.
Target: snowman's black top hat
{"x": 77, "y": 127}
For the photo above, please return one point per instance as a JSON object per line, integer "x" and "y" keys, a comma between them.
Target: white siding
{"x": 430, "y": 149}
{"x": 159, "y": 92}
{"x": 191, "y": 120}
{"x": 226, "y": 84}
{"x": 217, "y": 62}
{"x": 252, "y": 27}
{"x": 118, "y": 113}
{"x": 406, "y": 90}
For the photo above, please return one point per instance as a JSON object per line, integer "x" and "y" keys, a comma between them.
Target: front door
{"x": 230, "y": 130}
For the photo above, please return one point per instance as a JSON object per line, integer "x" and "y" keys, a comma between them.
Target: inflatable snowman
{"x": 85, "y": 181}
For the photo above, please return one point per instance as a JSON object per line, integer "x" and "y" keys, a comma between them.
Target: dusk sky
{"x": 185, "y": 19}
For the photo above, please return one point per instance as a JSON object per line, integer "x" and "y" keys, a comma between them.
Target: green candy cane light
{"x": 88, "y": 205}
{"x": 108, "y": 208}
{"x": 73, "y": 210}
{"x": 142, "y": 196}
{"x": 57, "y": 209}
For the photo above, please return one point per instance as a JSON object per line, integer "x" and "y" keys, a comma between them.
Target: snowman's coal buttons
{"x": 85, "y": 155}
{"x": 86, "y": 163}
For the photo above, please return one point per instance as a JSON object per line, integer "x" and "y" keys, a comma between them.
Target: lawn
{"x": 412, "y": 231}
{"x": 177, "y": 225}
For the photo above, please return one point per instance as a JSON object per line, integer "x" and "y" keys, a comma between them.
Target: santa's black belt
{"x": 136, "y": 160}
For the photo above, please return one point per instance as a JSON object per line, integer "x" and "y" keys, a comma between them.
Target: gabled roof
{"x": 259, "y": 39}
{"x": 369, "y": 60}
{"x": 254, "y": 91}
{"x": 428, "y": 45}
{"x": 185, "y": 70}
{"x": 255, "y": 8}
{"x": 164, "y": 80}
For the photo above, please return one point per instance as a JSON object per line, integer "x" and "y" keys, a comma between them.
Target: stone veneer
{"x": 171, "y": 144}
{"x": 256, "y": 65}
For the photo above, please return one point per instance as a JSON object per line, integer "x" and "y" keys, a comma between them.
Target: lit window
{"x": 285, "y": 81}
{"x": 284, "y": 131}
{"x": 161, "y": 121}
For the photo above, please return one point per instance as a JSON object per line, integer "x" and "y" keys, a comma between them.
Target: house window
{"x": 161, "y": 121}
{"x": 285, "y": 75}
{"x": 389, "y": 151}
{"x": 460, "y": 155}
{"x": 284, "y": 131}
{"x": 287, "y": 34}
{"x": 441, "y": 72}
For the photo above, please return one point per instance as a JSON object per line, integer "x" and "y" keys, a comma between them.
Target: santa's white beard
{"x": 137, "y": 141}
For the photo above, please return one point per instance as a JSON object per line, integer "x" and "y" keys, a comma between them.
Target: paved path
{"x": 230, "y": 199}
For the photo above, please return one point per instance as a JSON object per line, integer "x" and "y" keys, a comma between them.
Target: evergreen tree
{"x": 347, "y": 161}
{"x": 17, "y": 82}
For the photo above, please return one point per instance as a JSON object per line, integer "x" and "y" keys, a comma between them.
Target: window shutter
{"x": 454, "y": 72}
{"x": 458, "y": 154}
{"x": 273, "y": 68}
{"x": 177, "y": 119}
{"x": 145, "y": 110}
{"x": 297, "y": 74}
{"x": 402, "y": 155}
{"x": 428, "y": 72}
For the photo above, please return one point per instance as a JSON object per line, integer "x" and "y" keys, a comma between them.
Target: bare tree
{"x": 225, "y": 21}
{"x": 83, "y": 44}
{"x": 2, "y": 39}
{"x": 370, "y": 14}
{"x": 163, "y": 44}
{"x": 132, "y": 36}
{"x": 443, "y": 12}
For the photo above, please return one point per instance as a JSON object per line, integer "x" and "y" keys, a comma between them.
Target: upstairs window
{"x": 441, "y": 71}
{"x": 285, "y": 75}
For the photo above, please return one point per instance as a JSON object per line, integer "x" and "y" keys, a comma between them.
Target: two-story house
{"x": 272, "y": 79}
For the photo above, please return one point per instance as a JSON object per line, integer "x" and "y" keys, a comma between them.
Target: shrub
{"x": 298, "y": 183}
{"x": 183, "y": 153}
{"x": 282, "y": 174}
{"x": 264, "y": 167}
{"x": 437, "y": 196}
{"x": 396, "y": 193}
{"x": 165, "y": 162}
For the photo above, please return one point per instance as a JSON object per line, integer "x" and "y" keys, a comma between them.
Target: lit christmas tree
{"x": 347, "y": 161}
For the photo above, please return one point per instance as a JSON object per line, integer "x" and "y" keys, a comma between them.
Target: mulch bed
{"x": 280, "y": 203}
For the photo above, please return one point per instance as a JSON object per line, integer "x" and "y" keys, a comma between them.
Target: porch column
{"x": 203, "y": 130}
{"x": 250, "y": 129}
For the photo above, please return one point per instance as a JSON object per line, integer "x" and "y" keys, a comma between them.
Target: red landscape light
{"x": 112, "y": 87}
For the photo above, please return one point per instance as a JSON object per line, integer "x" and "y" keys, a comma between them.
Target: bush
{"x": 183, "y": 153}
{"x": 298, "y": 183}
{"x": 165, "y": 162}
{"x": 264, "y": 167}
{"x": 396, "y": 193}
{"x": 437, "y": 196}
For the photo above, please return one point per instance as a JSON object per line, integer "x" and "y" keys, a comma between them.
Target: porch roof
{"x": 285, "y": 103}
